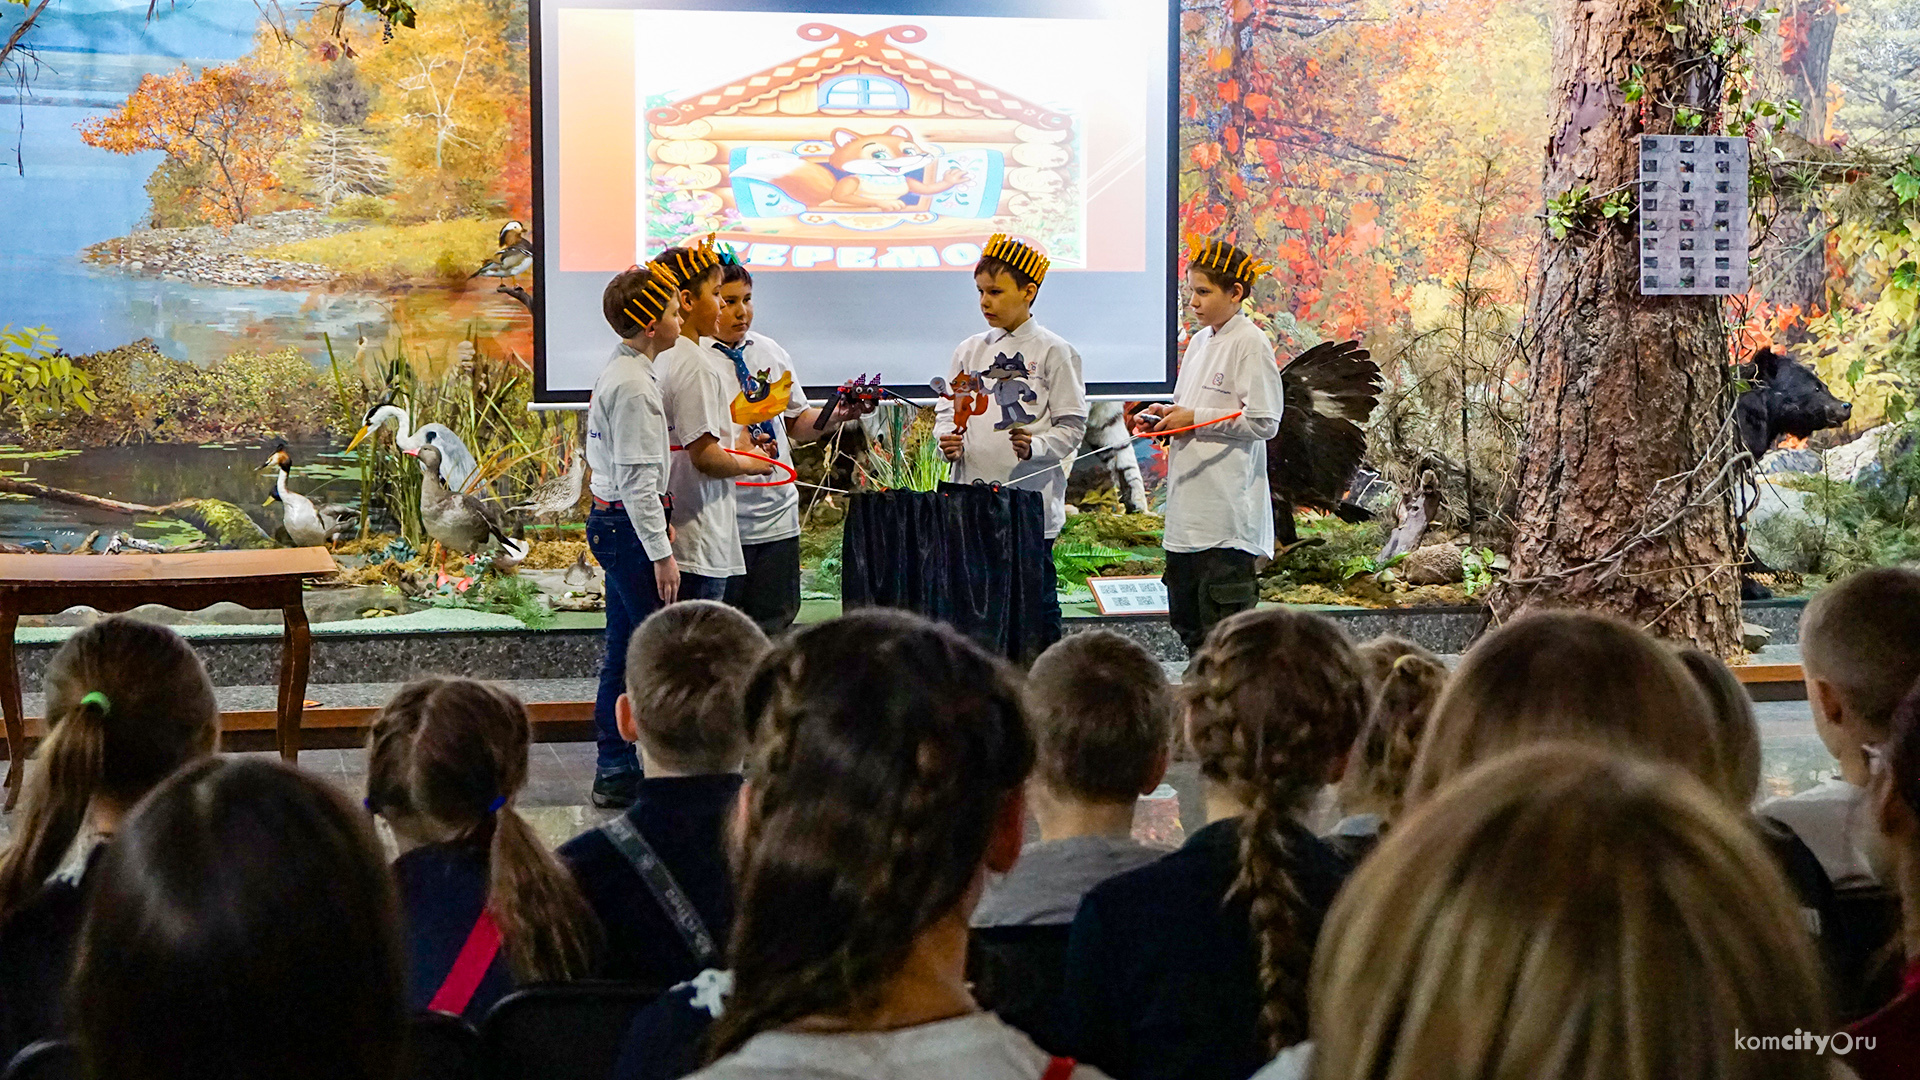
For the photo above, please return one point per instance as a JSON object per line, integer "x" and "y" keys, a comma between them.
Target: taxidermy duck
{"x": 454, "y": 519}
{"x": 307, "y": 524}
{"x": 560, "y": 494}
{"x": 514, "y": 258}
{"x": 457, "y": 464}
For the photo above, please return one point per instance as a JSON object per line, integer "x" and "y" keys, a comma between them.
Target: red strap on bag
{"x": 1059, "y": 1069}
{"x": 469, "y": 968}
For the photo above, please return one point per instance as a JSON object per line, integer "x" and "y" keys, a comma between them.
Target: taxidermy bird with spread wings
{"x": 1329, "y": 390}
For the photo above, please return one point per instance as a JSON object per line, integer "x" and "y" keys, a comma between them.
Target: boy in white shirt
{"x": 769, "y": 590}
{"x": 697, "y": 387}
{"x": 627, "y": 528}
{"x": 1860, "y": 649}
{"x": 1219, "y": 517}
{"x": 1033, "y": 375}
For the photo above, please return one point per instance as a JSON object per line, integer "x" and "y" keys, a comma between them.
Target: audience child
{"x": 627, "y": 529}
{"x": 1034, "y": 378}
{"x": 697, "y": 386}
{"x": 1739, "y": 784}
{"x": 1890, "y": 1047}
{"x": 1564, "y": 911}
{"x": 1407, "y": 680}
{"x": 1860, "y": 647}
{"x": 1102, "y": 716}
{"x": 1219, "y": 520}
{"x": 128, "y": 702}
{"x": 885, "y": 783}
{"x": 1576, "y": 675}
{"x": 485, "y": 905}
{"x": 657, "y": 875}
{"x": 769, "y": 592}
{"x": 1195, "y": 966}
{"x": 242, "y": 927}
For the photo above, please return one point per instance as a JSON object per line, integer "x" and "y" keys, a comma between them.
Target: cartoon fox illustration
{"x": 875, "y": 172}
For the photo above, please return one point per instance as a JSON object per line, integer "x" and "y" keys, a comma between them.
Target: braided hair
{"x": 885, "y": 748}
{"x": 453, "y": 752}
{"x": 1274, "y": 699}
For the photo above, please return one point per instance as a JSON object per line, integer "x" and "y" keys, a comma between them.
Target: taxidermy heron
{"x": 456, "y": 462}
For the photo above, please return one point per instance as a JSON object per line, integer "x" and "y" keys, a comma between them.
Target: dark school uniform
{"x": 1162, "y": 977}
{"x": 36, "y": 957}
{"x": 683, "y": 820}
{"x": 443, "y": 888}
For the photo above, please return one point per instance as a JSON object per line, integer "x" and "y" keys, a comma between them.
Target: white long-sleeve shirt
{"x": 627, "y": 445}
{"x": 1049, "y": 402}
{"x": 1217, "y": 476}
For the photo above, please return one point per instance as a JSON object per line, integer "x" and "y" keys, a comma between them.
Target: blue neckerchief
{"x": 748, "y": 384}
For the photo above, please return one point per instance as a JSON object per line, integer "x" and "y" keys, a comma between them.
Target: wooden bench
{"x": 49, "y": 584}
{"x": 1773, "y": 682}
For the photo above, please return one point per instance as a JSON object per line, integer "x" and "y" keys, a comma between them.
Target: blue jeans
{"x": 698, "y": 587}
{"x": 631, "y": 597}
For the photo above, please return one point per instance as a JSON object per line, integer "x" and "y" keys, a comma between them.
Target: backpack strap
{"x": 1060, "y": 1068}
{"x": 666, "y": 891}
{"x": 469, "y": 968}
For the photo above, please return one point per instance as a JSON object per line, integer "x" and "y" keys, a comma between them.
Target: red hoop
{"x": 1192, "y": 427}
{"x": 792, "y": 476}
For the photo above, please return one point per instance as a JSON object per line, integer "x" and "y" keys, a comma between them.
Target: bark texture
{"x": 1624, "y": 502}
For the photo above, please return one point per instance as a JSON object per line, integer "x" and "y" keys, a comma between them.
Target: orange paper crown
{"x": 1017, "y": 255}
{"x": 654, "y": 296}
{"x": 691, "y": 261}
{"x": 1223, "y": 257}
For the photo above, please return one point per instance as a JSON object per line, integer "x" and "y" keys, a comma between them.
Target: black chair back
{"x": 560, "y": 1031}
{"x": 48, "y": 1059}
{"x": 1020, "y": 972}
{"x": 441, "y": 1046}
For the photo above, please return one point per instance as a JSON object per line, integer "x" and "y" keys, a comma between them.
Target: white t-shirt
{"x": 978, "y": 1046}
{"x": 627, "y": 444}
{"x": 698, "y": 386}
{"x": 1217, "y": 476}
{"x": 769, "y": 513}
{"x": 1836, "y": 822}
{"x": 1049, "y": 400}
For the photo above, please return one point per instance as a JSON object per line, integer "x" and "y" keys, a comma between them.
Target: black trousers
{"x": 769, "y": 592}
{"x": 1204, "y": 587}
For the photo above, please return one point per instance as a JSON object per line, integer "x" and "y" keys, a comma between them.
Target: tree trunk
{"x": 1624, "y": 498}
{"x": 1793, "y": 256}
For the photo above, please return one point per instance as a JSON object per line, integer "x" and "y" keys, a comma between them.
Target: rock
{"x": 1780, "y": 530}
{"x": 1754, "y": 637}
{"x": 1845, "y": 463}
{"x": 1791, "y": 461}
{"x": 1435, "y": 564}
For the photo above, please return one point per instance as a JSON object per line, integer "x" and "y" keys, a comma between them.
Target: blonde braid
{"x": 1276, "y": 698}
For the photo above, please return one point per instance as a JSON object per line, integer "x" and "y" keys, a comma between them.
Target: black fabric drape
{"x": 974, "y": 556}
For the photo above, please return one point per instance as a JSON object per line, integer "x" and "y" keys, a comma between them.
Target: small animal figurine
{"x": 1010, "y": 389}
{"x": 770, "y": 401}
{"x": 859, "y": 396}
{"x": 968, "y": 395}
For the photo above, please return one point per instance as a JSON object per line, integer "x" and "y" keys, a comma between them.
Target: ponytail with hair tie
{"x": 100, "y": 700}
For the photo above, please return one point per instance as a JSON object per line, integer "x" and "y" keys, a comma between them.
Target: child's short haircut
{"x": 733, "y": 271}
{"x": 692, "y": 266}
{"x": 686, "y": 668}
{"x": 1862, "y": 634}
{"x": 1102, "y": 715}
{"x": 1005, "y": 255}
{"x": 634, "y": 292}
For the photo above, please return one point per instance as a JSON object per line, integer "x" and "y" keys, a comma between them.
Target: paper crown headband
{"x": 1218, "y": 255}
{"x": 689, "y": 262}
{"x": 1017, "y": 255}
{"x": 654, "y": 297}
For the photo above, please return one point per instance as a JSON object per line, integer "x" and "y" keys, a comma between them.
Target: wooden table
{"x": 49, "y": 584}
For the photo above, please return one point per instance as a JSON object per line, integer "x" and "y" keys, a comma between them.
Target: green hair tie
{"x": 97, "y": 698}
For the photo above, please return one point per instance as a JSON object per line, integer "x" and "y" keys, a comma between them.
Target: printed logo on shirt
{"x": 1219, "y": 377}
{"x": 591, "y": 434}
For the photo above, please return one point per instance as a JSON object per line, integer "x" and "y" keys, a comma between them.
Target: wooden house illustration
{"x": 863, "y": 145}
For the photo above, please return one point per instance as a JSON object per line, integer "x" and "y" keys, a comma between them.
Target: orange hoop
{"x": 1192, "y": 427}
{"x": 792, "y": 476}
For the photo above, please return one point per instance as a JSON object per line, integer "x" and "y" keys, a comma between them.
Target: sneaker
{"x": 616, "y": 791}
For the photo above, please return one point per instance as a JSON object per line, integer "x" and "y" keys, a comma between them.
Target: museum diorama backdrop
{"x": 231, "y": 224}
